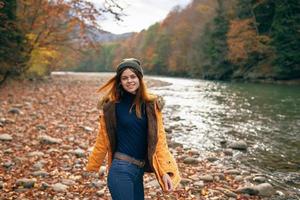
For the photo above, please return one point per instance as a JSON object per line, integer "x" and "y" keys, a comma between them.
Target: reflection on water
{"x": 266, "y": 116}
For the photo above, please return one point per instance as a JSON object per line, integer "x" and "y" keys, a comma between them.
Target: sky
{"x": 140, "y": 14}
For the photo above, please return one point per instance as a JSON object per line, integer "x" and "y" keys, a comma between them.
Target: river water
{"x": 266, "y": 116}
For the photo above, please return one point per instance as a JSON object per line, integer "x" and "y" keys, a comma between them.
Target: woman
{"x": 131, "y": 132}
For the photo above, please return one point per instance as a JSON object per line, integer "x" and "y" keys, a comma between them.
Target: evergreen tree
{"x": 216, "y": 47}
{"x": 286, "y": 38}
{"x": 12, "y": 42}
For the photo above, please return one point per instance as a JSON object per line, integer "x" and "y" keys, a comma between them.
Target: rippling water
{"x": 266, "y": 116}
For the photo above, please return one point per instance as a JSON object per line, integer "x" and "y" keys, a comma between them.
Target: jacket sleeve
{"x": 100, "y": 148}
{"x": 167, "y": 163}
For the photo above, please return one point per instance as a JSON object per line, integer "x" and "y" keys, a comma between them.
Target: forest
{"x": 208, "y": 39}
{"x": 235, "y": 39}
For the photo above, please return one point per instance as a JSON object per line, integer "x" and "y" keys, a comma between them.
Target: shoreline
{"x": 63, "y": 108}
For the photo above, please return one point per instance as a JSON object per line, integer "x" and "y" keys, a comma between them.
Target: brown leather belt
{"x": 122, "y": 156}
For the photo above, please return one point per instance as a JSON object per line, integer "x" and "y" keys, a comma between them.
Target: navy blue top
{"x": 131, "y": 130}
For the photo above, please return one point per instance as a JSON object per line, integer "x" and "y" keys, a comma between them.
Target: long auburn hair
{"x": 113, "y": 90}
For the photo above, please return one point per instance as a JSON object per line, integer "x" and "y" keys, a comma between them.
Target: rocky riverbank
{"x": 47, "y": 129}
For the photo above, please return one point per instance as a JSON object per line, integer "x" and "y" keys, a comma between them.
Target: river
{"x": 266, "y": 116}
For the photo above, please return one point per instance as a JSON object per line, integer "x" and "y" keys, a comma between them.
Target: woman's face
{"x": 130, "y": 81}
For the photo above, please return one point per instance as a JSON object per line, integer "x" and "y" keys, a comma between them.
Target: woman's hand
{"x": 167, "y": 182}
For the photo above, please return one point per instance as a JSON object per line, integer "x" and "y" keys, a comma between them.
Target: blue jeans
{"x": 125, "y": 181}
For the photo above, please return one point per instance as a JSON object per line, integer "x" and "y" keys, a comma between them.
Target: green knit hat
{"x": 129, "y": 63}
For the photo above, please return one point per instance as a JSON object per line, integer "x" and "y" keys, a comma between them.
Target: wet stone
{"x": 194, "y": 152}
{"x": 260, "y": 179}
{"x": 228, "y": 152}
{"x": 212, "y": 159}
{"x": 248, "y": 190}
{"x": 227, "y": 192}
{"x": 26, "y": 183}
{"x": 5, "y": 137}
{"x": 239, "y": 145}
{"x": 265, "y": 189}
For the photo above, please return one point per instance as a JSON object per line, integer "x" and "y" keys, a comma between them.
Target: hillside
{"x": 214, "y": 39}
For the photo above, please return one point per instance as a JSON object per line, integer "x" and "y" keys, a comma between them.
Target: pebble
{"x": 8, "y": 151}
{"x": 232, "y": 171}
{"x": 102, "y": 170}
{"x": 78, "y": 153}
{"x": 59, "y": 187}
{"x": 44, "y": 186}
{"x": 35, "y": 153}
{"x": 152, "y": 184}
{"x": 41, "y": 127}
{"x": 199, "y": 184}
{"x": 260, "y": 179}
{"x": 207, "y": 178}
{"x": 5, "y": 137}
{"x": 26, "y": 183}
{"x": 38, "y": 166}
{"x": 100, "y": 193}
{"x": 68, "y": 182}
{"x": 227, "y": 192}
{"x": 238, "y": 178}
{"x": 86, "y": 128}
{"x": 45, "y": 139}
{"x": 251, "y": 190}
{"x": 220, "y": 175}
{"x": 40, "y": 173}
{"x": 193, "y": 152}
{"x": 212, "y": 159}
{"x": 15, "y": 111}
{"x": 265, "y": 189}
{"x": 190, "y": 160}
{"x": 185, "y": 181}
{"x": 8, "y": 164}
{"x": 1, "y": 185}
{"x": 239, "y": 145}
{"x": 98, "y": 184}
{"x": 228, "y": 152}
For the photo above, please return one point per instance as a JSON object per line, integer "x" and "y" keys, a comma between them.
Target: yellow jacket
{"x": 160, "y": 161}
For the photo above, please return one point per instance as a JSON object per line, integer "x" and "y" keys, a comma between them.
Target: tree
{"x": 286, "y": 38}
{"x": 12, "y": 42}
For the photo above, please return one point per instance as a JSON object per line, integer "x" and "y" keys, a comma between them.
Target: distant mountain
{"x": 105, "y": 36}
